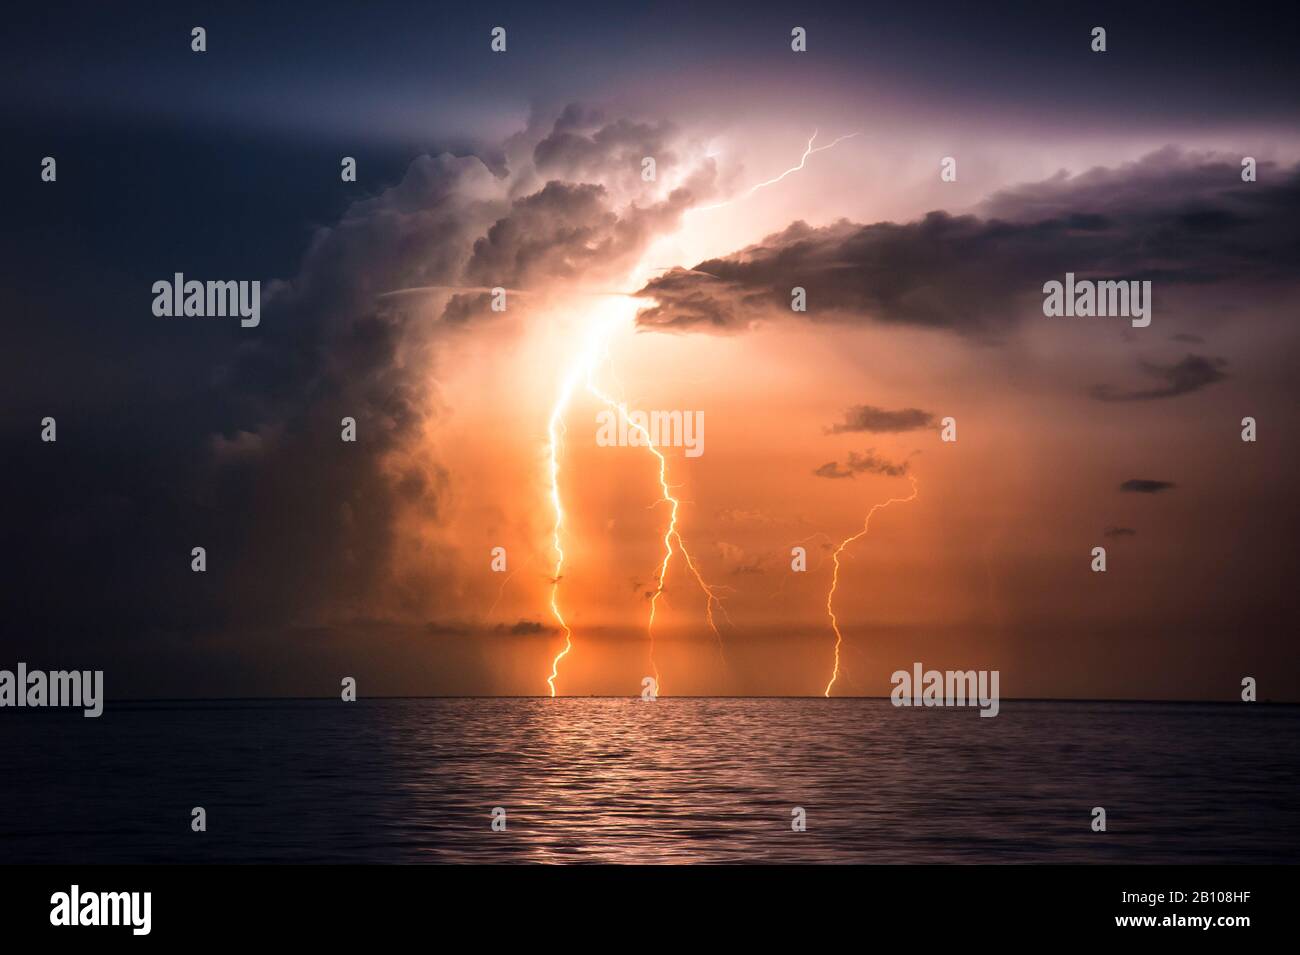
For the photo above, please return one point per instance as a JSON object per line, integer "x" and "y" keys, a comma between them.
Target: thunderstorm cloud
{"x": 1171, "y": 217}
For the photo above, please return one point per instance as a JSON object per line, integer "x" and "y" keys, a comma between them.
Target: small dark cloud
{"x": 452, "y": 628}
{"x": 1191, "y": 374}
{"x": 525, "y": 627}
{"x": 1144, "y": 486}
{"x": 868, "y": 463}
{"x": 879, "y": 420}
{"x": 1119, "y": 532}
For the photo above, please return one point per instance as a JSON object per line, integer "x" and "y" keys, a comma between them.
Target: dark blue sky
{"x": 149, "y": 134}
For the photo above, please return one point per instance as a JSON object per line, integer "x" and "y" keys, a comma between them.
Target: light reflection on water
{"x": 677, "y": 780}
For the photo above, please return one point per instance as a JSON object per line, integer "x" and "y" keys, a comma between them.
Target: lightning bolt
{"x": 671, "y": 534}
{"x": 710, "y": 593}
{"x": 803, "y": 161}
{"x": 555, "y": 429}
{"x": 583, "y": 369}
{"x": 579, "y": 371}
{"x": 835, "y": 579}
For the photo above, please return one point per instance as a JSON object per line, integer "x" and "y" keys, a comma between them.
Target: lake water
{"x": 677, "y": 780}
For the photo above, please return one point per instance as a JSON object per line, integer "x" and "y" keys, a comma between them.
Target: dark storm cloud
{"x": 568, "y": 232}
{"x": 1191, "y": 374}
{"x": 867, "y": 463}
{"x": 336, "y": 347}
{"x": 319, "y": 519}
{"x": 579, "y": 210}
{"x": 1170, "y": 217}
{"x": 584, "y": 144}
{"x": 1145, "y": 486}
{"x": 879, "y": 420}
{"x": 231, "y": 439}
{"x": 300, "y": 527}
{"x": 561, "y": 230}
{"x": 574, "y": 232}
{"x": 464, "y": 307}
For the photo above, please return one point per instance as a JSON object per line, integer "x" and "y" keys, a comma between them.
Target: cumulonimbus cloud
{"x": 1169, "y": 217}
{"x": 300, "y": 527}
{"x": 566, "y": 207}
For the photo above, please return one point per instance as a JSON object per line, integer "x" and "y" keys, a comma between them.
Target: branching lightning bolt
{"x": 671, "y": 534}
{"x": 578, "y": 371}
{"x": 583, "y": 368}
{"x": 803, "y": 161}
{"x": 835, "y": 579}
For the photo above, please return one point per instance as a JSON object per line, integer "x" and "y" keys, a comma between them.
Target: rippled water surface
{"x": 701, "y": 780}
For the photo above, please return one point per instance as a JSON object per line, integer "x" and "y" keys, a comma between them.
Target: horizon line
{"x": 601, "y": 696}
